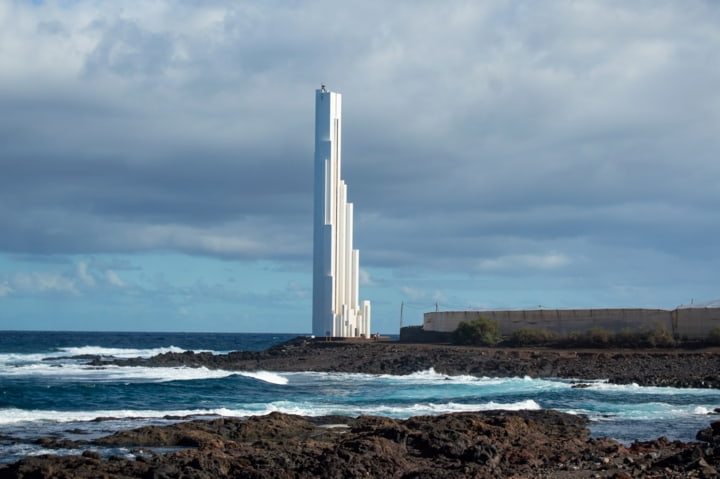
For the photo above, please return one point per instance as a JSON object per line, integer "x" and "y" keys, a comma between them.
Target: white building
{"x": 336, "y": 311}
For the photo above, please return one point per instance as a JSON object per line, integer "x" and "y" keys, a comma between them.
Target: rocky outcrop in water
{"x": 539, "y": 444}
{"x": 677, "y": 368}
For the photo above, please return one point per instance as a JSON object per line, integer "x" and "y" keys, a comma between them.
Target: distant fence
{"x": 690, "y": 323}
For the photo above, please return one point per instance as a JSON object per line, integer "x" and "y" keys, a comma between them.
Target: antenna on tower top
{"x": 323, "y": 89}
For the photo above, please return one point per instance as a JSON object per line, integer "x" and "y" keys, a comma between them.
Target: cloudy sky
{"x": 156, "y": 157}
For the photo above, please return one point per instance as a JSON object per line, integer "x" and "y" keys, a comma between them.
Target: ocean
{"x": 48, "y": 389}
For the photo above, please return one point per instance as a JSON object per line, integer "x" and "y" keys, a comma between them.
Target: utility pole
{"x": 402, "y": 305}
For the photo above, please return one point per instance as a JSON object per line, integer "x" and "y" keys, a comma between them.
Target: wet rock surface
{"x": 675, "y": 368}
{"x": 540, "y": 444}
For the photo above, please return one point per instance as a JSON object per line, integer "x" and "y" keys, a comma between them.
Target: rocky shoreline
{"x": 538, "y": 444}
{"x": 660, "y": 367}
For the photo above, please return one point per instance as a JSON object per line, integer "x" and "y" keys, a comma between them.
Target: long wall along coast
{"x": 684, "y": 322}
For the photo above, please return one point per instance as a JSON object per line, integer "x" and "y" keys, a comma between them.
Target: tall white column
{"x": 336, "y": 267}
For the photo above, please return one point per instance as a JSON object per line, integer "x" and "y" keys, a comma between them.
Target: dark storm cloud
{"x": 477, "y": 137}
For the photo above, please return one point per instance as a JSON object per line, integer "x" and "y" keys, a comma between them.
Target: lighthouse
{"x": 336, "y": 264}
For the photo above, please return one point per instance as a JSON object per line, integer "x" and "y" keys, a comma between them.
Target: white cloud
{"x": 56, "y": 282}
{"x": 548, "y": 261}
{"x": 297, "y": 290}
{"x": 114, "y": 279}
{"x": 252, "y": 237}
{"x": 413, "y": 294}
{"x": 84, "y": 275}
{"x": 365, "y": 279}
{"x": 439, "y": 297}
{"x": 42, "y": 282}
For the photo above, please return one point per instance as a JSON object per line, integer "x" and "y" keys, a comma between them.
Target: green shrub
{"x": 659, "y": 337}
{"x": 531, "y": 337}
{"x": 479, "y": 332}
{"x": 714, "y": 336}
{"x": 597, "y": 337}
{"x": 571, "y": 339}
{"x": 591, "y": 338}
{"x": 627, "y": 338}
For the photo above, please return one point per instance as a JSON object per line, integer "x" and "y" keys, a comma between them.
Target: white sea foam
{"x": 266, "y": 376}
{"x": 428, "y": 376}
{"x": 634, "y": 388}
{"x": 647, "y": 411}
{"x": 12, "y": 359}
{"x": 110, "y": 373}
{"x": 14, "y": 416}
{"x": 441, "y": 385}
{"x": 400, "y": 411}
{"x": 122, "y": 353}
{"x": 18, "y": 451}
{"x": 62, "y": 355}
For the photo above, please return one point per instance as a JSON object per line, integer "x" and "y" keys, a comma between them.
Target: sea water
{"x": 47, "y": 388}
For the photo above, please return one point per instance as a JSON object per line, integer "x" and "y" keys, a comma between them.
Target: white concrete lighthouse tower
{"x": 336, "y": 264}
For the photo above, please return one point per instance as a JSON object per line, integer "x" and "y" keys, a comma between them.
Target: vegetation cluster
{"x": 657, "y": 337}
{"x": 486, "y": 332}
{"x": 479, "y": 332}
{"x": 714, "y": 336}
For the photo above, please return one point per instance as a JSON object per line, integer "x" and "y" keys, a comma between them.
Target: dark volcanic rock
{"x": 710, "y": 434}
{"x": 479, "y": 445}
{"x": 274, "y": 426}
{"x": 677, "y": 368}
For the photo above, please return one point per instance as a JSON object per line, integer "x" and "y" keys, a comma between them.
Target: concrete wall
{"x": 696, "y": 322}
{"x": 416, "y": 334}
{"x": 690, "y": 323}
